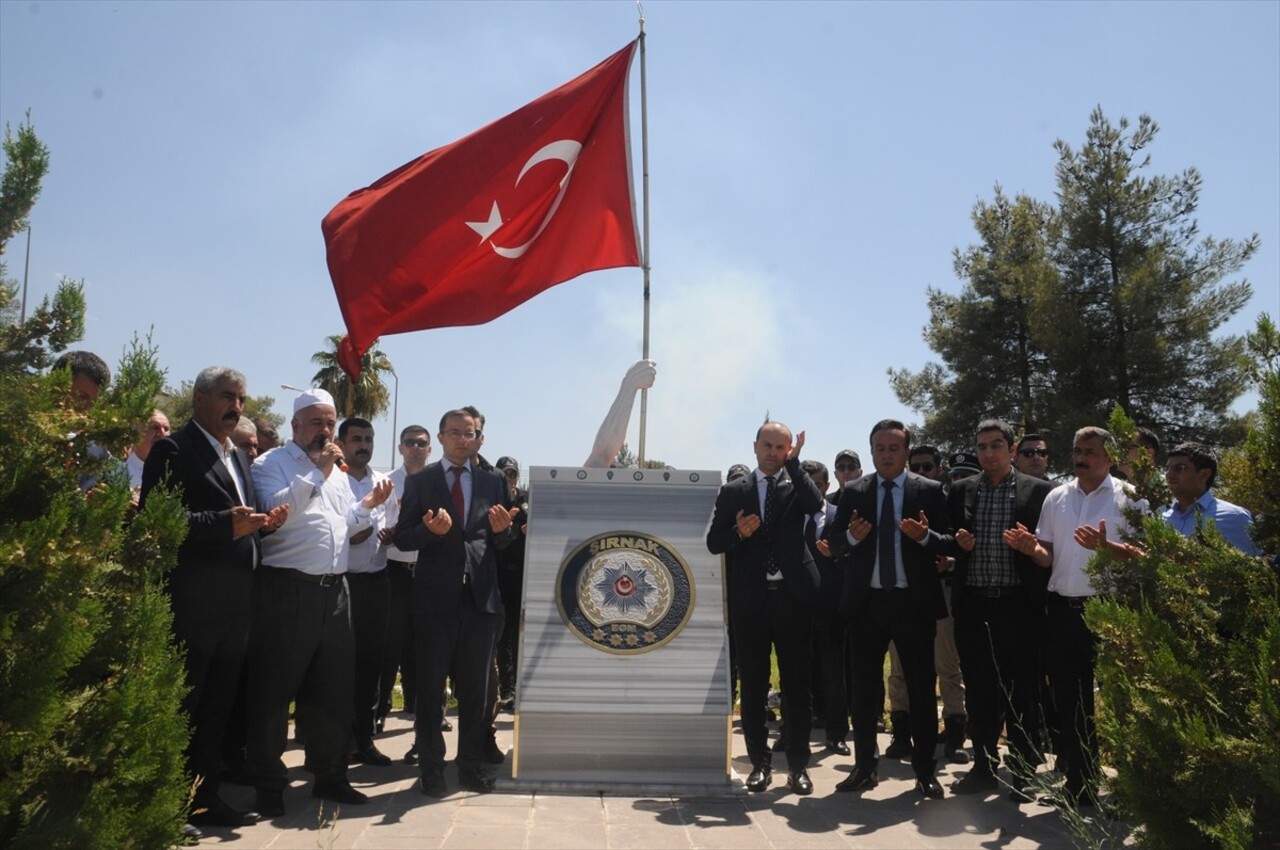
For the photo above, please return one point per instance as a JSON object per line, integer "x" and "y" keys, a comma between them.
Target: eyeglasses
{"x": 460, "y": 435}
{"x": 1178, "y": 468}
{"x": 847, "y": 467}
{"x": 418, "y": 443}
{"x": 922, "y": 467}
{"x": 1034, "y": 452}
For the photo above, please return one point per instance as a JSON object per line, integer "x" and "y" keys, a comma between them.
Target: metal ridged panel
{"x": 586, "y": 715}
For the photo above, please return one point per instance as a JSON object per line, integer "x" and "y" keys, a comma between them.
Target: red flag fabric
{"x": 469, "y": 231}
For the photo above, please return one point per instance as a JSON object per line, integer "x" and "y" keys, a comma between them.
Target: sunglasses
{"x": 1034, "y": 452}
{"x": 418, "y": 443}
{"x": 922, "y": 467}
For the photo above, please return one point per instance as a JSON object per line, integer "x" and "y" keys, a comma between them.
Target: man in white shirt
{"x": 301, "y": 640}
{"x": 157, "y": 428}
{"x": 368, "y": 586}
{"x": 1074, "y": 524}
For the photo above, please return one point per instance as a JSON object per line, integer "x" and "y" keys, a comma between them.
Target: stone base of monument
{"x": 623, "y": 682}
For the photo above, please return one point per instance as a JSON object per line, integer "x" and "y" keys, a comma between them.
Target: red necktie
{"x": 459, "y": 502}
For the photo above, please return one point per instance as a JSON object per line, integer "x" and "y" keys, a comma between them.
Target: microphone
{"x": 342, "y": 465}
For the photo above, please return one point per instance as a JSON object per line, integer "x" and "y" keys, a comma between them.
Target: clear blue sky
{"x": 813, "y": 165}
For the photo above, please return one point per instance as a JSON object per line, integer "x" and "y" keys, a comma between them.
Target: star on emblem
{"x": 486, "y": 228}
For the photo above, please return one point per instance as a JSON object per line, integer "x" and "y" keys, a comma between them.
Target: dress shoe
{"x": 863, "y": 778}
{"x": 800, "y": 783}
{"x": 759, "y": 780}
{"x": 975, "y": 782}
{"x": 371, "y": 755}
{"x": 474, "y": 780}
{"x": 927, "y": 786}
{"x": 840, "y": 748}
{"x": 213, "y": 811}
{"x": 493, "y": 754}
{"x": 411, "y": 757}
{"x": 379, "y": 723}
{"x": 338, "y": 790}
{"x": 433, "y": 785}
{"x": 446, "y": 726}
{"x": 270, "y": 804}
{"x": 191, "y": 834}
{"x": 507, "y": 704}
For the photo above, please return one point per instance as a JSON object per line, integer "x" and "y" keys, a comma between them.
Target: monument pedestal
{"x": 623, "y": 680}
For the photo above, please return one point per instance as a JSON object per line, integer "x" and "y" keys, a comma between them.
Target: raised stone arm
{"x": 613, "y": 430}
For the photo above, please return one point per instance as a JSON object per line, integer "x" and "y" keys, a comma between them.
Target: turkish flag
{"x": 465, "y": 233}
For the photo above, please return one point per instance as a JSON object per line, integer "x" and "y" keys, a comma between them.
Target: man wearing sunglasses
{"x": 414, "y": 448}
{"x": 848, "y": 467}
{"x": 1033, "y": 456}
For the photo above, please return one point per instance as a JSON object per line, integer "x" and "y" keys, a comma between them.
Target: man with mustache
{"x": 367, "y": 582}
{"x": 211, "y": 589}
{"x": 301, "y": 640}
{"x": 1077, "y": 518}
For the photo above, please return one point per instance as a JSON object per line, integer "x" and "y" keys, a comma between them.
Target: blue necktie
{"x": 885, "y": 531}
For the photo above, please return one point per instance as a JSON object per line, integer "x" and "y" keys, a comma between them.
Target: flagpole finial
{"x": 640, "y": 10}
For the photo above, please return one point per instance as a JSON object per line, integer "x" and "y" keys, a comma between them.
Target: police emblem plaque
{"x": 625, "y": 592}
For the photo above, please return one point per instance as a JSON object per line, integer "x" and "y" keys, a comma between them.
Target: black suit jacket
{"x": 214, "y": 572}
{"x": 747, "y": 559}
{"x": 1028, "y": 498}
{"x": 918, "y": 559}
{"x": 442, "y": 561}
{"x": 830, "y": 570}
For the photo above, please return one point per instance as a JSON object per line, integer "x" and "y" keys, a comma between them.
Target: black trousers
{"x": 215, "y": 647}
{"x": 300, "y": 644}
{"x": 890, "y": 616}
{"x": 370, "y": 597}
{"x": 785, "y": 624}
{"x": 832, "y": 697}
{"x": 397, "y": 652}
{"x": 1072, "y": 654}
{"x": 998, "y": 659}
{"x": 454, "y": 638}
{"x": 511, "y": 587}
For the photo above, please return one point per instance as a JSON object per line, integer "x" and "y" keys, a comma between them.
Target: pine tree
{"x": 91, "y": 728}
{"x": 1109, "y": 298}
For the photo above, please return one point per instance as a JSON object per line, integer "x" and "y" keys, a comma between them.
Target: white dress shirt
{"x": 368, "y": 556}
{"x": 1066, "y": 508}
{"x": 323, "y": 512}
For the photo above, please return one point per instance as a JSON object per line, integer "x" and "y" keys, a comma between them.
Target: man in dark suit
{"x": 995, "y": 596}
{"x": 211, "y": 589}
{"x": 758, "y": 525}
{"x": 892, "y": 525}
{"x": 830, "y": 628}
{"x": 456, "y": 515}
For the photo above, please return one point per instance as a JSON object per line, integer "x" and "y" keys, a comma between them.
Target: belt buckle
{"x": 329, "y": 579}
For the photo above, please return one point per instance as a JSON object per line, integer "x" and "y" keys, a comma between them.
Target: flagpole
{"x": 644, "y": 160}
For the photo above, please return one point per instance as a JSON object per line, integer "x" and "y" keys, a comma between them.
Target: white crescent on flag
{"x": 565, "y": 150}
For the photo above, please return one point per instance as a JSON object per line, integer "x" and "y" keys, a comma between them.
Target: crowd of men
{"x": 971, "y": 577}
{"x": 310, "y": 579}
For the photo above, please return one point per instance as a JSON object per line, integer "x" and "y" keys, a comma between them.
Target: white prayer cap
{"x": 315, "y": 395}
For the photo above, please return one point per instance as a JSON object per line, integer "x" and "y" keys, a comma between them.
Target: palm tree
{"x": 368, "y": 396}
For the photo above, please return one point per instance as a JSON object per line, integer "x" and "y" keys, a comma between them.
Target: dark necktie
{"x": 885, "y": 531}
{"x": 770, "y": 509}
{"x": 459, "y": 501}
{"x": 811, "y": 533}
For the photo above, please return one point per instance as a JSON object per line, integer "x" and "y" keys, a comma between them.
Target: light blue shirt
{"x": 1232, "y": 521}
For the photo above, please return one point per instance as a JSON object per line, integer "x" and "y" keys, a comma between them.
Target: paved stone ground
{"x": 399, "y": 816}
